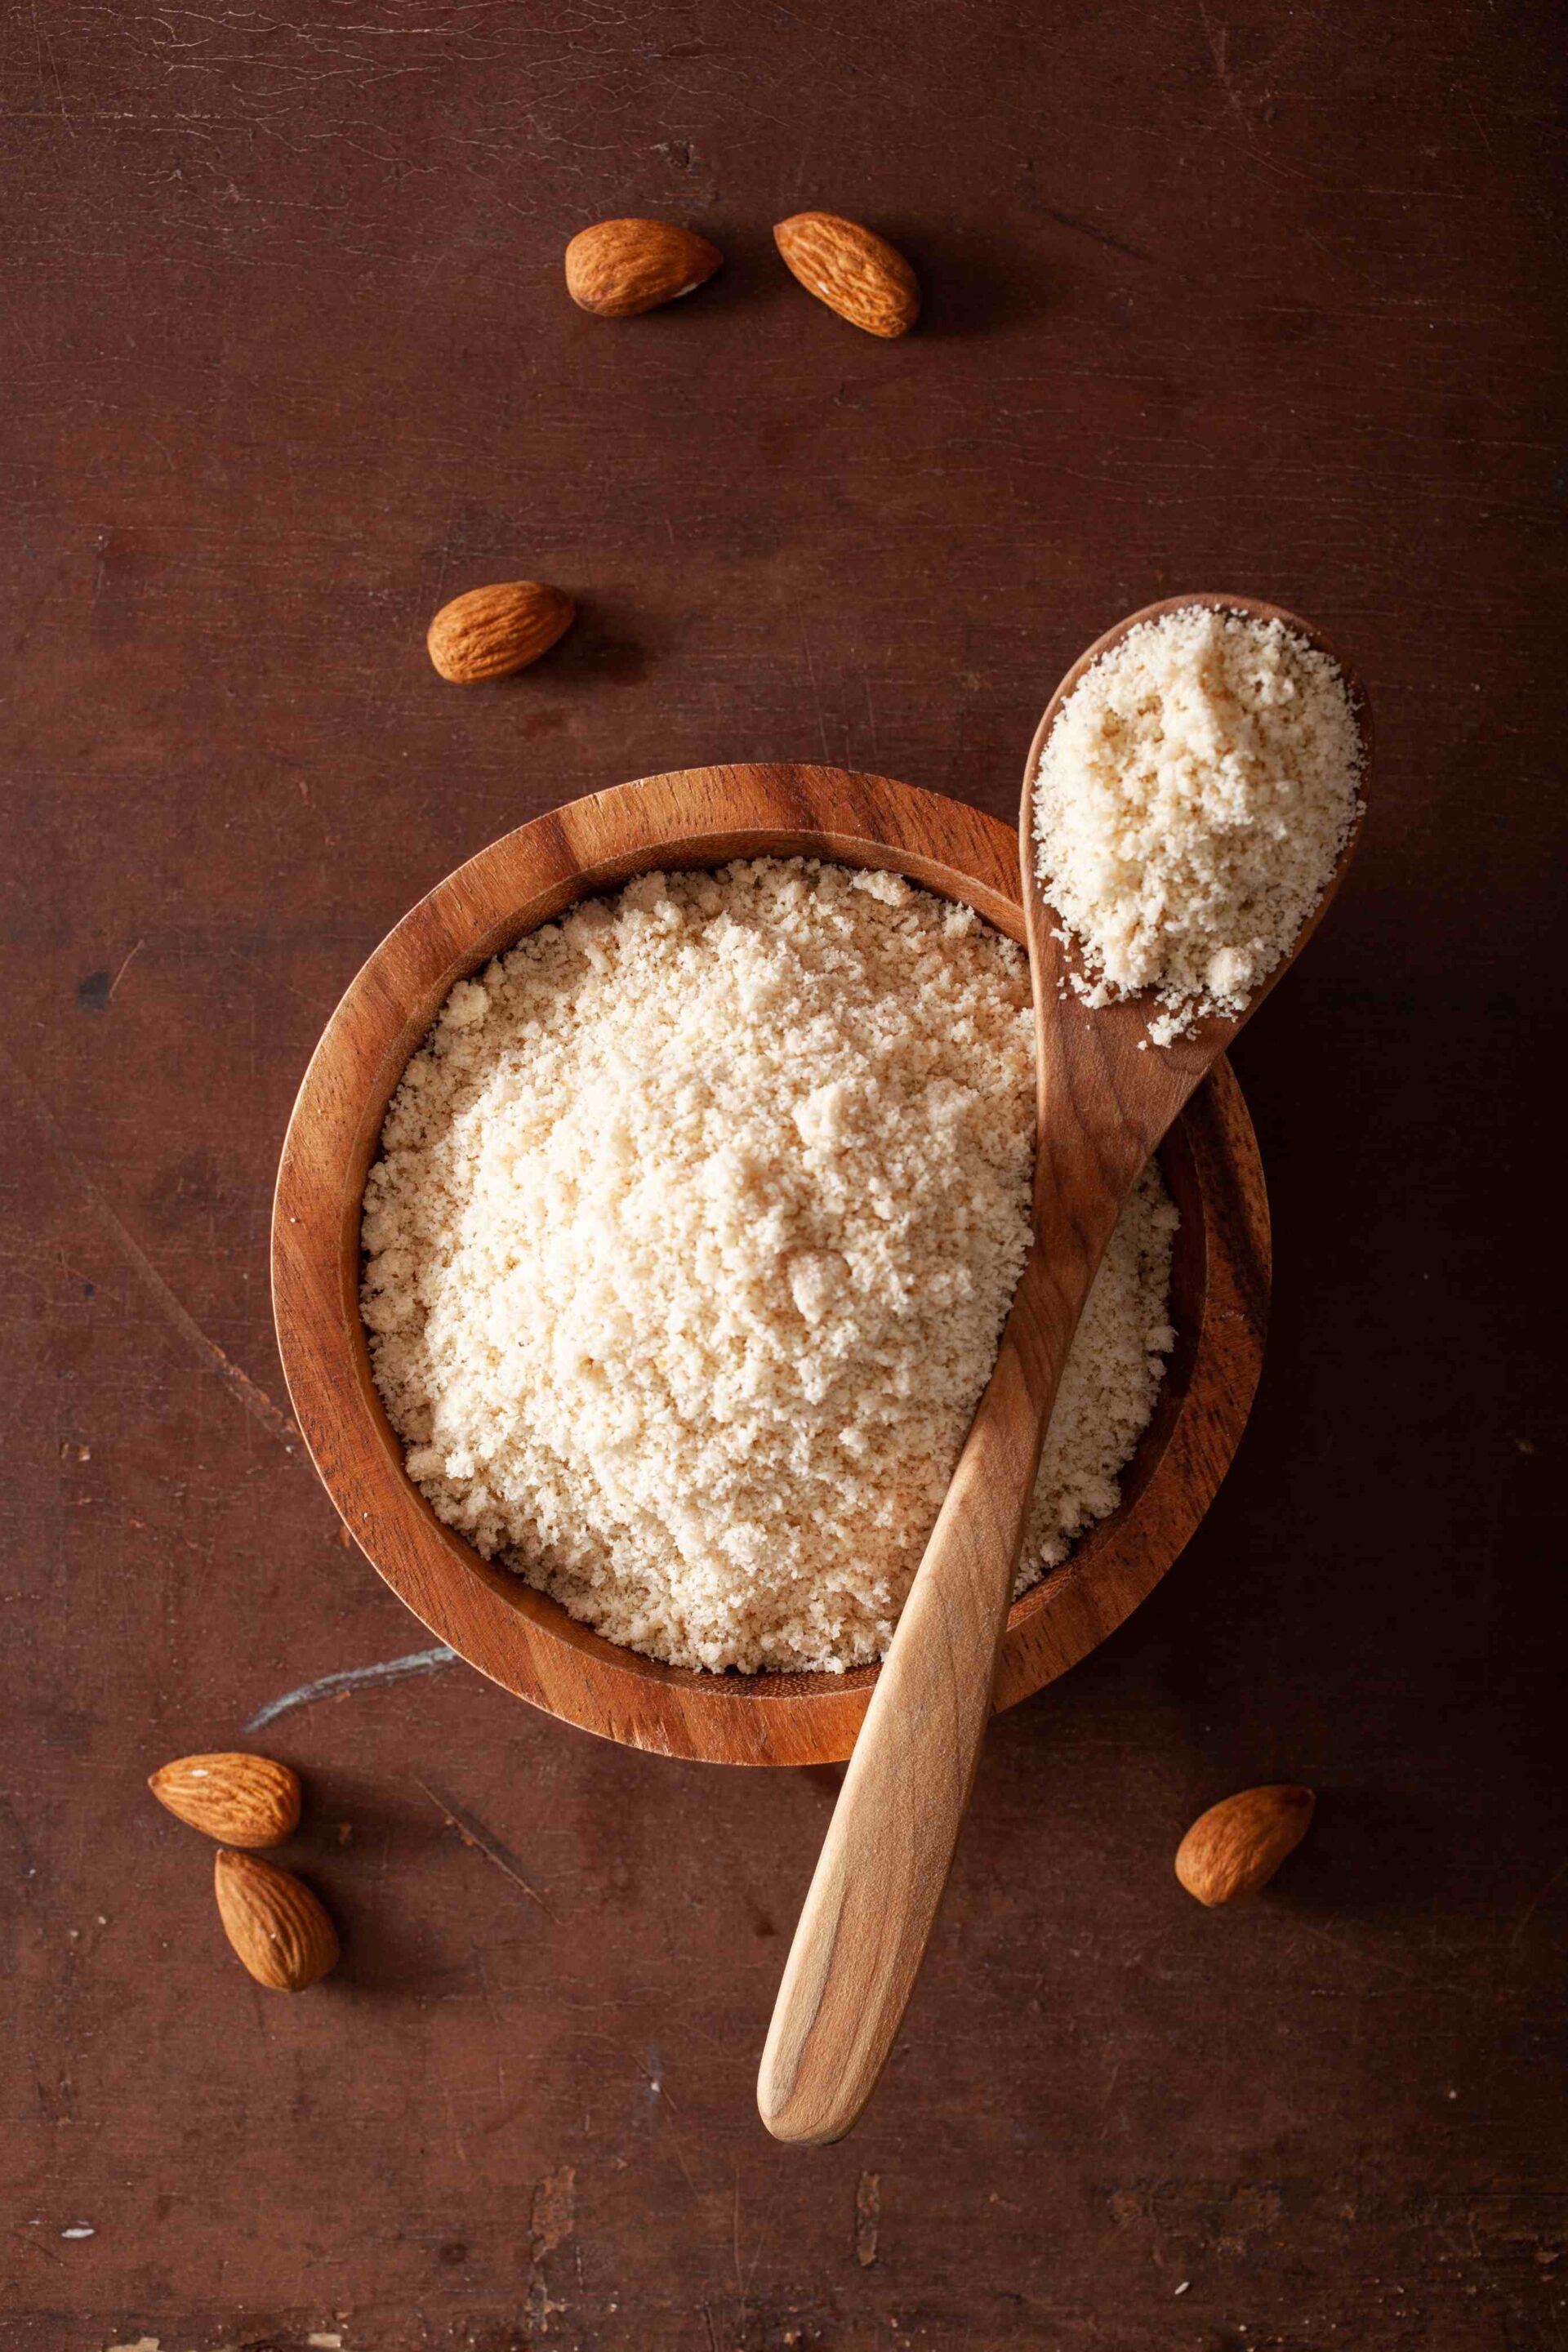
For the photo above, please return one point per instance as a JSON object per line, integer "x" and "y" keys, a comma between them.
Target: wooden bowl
{"x": 705, "y": 816}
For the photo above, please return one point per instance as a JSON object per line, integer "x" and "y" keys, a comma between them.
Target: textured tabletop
{"x": 1219, "y": 295}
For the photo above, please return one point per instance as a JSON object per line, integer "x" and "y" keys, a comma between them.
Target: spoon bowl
{"x": 1106, "y": 1096}
{"x": 1102, "y": 1055}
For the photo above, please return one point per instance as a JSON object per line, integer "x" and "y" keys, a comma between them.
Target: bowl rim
{"x": 519, "y": 1637}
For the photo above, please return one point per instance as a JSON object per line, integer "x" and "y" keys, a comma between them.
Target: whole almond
{"x": 855, "y": 273}
{"x": 619, "y": 269}
{"x": 489, "y": 632}
{"x": 1238, "y": 1846}
{"x": 277, "y": 1926}
{"x": 243, "y": 1800}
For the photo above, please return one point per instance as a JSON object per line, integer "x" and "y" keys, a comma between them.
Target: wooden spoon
{"x": 1105, "y": 1097}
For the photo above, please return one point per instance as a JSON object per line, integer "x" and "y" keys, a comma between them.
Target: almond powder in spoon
{"x": 1193, "y": 798}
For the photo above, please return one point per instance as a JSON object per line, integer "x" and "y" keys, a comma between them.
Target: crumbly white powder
{"x": 696, "y": 1221}
{"x": 1192, "y": 800}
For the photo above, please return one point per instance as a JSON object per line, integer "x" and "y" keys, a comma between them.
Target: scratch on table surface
{"x": 1533, "y": 1905}
{"x": 124, "y": 968}
{"x": 743, "y": 2282}
{"x": 1218, "y": 39}
{"x": 388, "y": 1670}
{"x": 1075, "y": 221}
{"x": 555, "y": 2213}
{"x": 19, "y": 2231}
{"x": 551, "y": 2221}
{"x": 241, "y": 1385}
{"x": 811, "y": 679}
{"x": 868, "y": 2217}
{"x": 653, "y": 2075}
{"x": 474, "y": 1835}
{"x": 1101, "y": 236}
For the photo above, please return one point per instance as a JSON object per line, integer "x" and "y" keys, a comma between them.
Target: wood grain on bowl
{"x": 699, "y": 817}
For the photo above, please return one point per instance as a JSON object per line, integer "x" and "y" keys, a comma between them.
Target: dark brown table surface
{"x": 1220, "y": 295}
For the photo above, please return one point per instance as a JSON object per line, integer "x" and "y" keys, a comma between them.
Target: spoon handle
{"x": 881, "y": 1875}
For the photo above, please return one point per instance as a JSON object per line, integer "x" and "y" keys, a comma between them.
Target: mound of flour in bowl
{"x": 689, "y": 1249}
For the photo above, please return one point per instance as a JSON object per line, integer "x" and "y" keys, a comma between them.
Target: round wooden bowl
{"x": 705, "y": 816}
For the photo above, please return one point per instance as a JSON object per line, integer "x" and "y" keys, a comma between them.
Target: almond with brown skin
{"x": 277, "y": 1926}
{"x": 1238, "y": 1846}
{"x": 490, "y": 631}
{"x": 855, "y": 273}
{"x": 242, "y": 1799}
{"x": 619, "y": 269}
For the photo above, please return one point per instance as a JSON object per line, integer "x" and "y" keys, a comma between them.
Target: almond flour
{"x": 696, "y": 1223}
{"x": 1192, "y": 800}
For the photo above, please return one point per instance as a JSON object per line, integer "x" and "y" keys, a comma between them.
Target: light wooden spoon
{"x": 1103, "y": 1106}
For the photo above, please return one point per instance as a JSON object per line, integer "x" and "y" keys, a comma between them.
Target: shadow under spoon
{"x": 1105, "y": 1097}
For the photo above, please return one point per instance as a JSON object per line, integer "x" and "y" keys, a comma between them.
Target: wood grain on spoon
{"x": 1105, "y": 1099}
